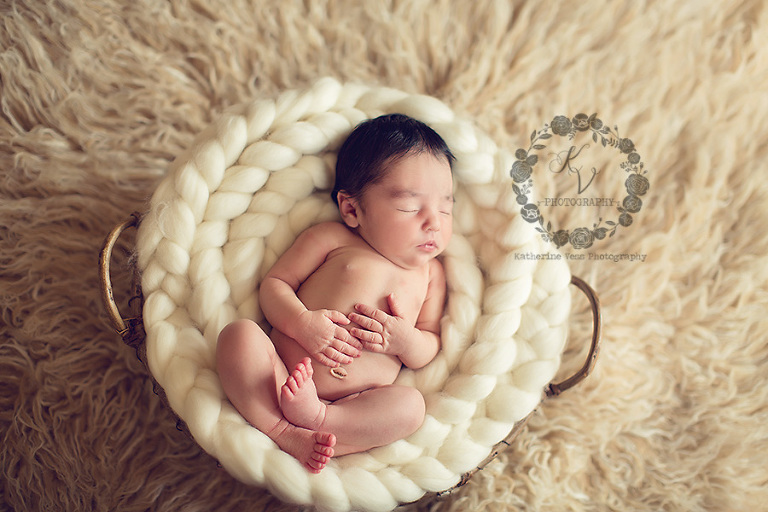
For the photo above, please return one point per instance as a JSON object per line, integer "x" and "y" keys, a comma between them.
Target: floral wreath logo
{"x": 636, "y": 183}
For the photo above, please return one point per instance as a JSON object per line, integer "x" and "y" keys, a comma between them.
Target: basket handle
{"x": 555, "y": 389}
{"x": 126, "y": 328}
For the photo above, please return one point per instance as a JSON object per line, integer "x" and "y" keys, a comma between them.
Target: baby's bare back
{"x": 356, "y": 275}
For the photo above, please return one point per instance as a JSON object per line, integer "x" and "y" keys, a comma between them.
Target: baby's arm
{"x": 415, "y": 346}
{"x": 318, "y": 332}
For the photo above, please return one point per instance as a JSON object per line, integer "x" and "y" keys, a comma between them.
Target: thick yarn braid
{"x": 234, "y": 203}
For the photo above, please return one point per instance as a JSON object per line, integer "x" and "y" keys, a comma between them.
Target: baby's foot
{"x": 322, "y": 451}
{"x": 313, "y": 449}
{"x": 298, "y": 398}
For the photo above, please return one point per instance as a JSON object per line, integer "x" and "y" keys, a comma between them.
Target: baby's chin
{"x": 416, "y": 261}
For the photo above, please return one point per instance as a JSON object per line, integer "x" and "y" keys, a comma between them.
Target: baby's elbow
{"x": 425, "y": 357}
{"x": 268, "y": 288}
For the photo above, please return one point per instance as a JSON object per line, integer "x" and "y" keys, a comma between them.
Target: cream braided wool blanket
{"x": 235, "y": 202}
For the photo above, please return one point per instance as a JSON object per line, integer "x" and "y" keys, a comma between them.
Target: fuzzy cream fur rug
{"x": 96, "y": 99}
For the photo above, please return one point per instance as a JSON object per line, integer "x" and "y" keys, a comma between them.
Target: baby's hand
{"x": 380, "y": 332}
{"x": 323, "y": 336}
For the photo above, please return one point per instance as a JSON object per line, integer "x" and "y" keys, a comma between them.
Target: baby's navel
{"x": 339, "y": 373}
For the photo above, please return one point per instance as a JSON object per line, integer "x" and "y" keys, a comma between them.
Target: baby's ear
{"x": 348, "y": 208}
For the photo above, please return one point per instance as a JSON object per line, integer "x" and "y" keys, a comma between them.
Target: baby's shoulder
{"x": 436, "y": 268}
{"x": 329, "y": 232}
{"x": 436, "y": 273}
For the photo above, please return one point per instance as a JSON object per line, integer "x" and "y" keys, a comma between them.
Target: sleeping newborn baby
{"x": 351, "y": 303}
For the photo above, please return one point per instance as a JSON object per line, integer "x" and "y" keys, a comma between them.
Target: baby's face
{"x": 407, "y": 216}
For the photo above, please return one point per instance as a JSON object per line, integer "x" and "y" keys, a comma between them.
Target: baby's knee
{"x": 414, "y": 409}
{"x": 236, "y": 337}
{"x": 241, "y": 329}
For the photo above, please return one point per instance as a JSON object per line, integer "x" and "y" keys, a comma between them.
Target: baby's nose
{"x": 432, "y": 222}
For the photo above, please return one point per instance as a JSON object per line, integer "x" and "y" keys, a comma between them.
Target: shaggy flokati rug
{"x": 97, "y": 98}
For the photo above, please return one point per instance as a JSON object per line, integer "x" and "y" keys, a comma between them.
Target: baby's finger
{"x": 327, "y": 361}
{"x": 337, "y": 317}
{"x": 337, "y": 358}
{"x": 371, "y": 312}
{"x": 394, "y": 305}
{"x": 366, "y": 322}
{"x": 350, "y": 352}
{"x": 373, "y": 347}
{"x": 345, "y": 336}
{"x": 366, "y": 337}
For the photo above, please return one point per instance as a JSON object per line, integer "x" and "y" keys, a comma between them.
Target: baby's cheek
{"x": 447, "y": 231}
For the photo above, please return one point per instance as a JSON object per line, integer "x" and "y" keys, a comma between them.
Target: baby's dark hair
{"x": 376, "y": 143}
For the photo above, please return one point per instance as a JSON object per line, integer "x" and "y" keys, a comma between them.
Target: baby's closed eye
{"x": 417, "y": 210}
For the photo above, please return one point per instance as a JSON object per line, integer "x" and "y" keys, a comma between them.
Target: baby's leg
{"x": 374, "y": 417}
{"x": 250, "y": 370}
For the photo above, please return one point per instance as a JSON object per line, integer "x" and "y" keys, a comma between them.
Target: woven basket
{"x": 237, "y": 199}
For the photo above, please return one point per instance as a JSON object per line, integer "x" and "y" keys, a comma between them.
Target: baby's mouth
{"x": 430, "y": 245}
